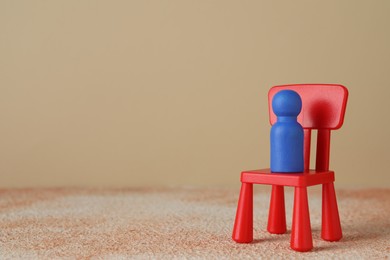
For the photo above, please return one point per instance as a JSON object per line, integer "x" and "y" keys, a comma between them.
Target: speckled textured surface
{"x": 176, "y": 223}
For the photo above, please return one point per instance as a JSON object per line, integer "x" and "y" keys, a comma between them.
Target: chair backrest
{"x": 323, "y": 109}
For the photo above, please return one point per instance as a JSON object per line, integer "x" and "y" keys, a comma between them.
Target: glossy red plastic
{"x": 277, "y": 212}
{"x": 243, "y": 226}
{"x": 323, "y": 104}
{"x": 323, "y": 109}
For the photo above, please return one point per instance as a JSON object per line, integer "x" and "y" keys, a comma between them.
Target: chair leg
{"x": 277, "y": 212}
{"x": 331, "y": 228}
{"x": 243, "y": 225}
{"x": 301, "y": 238}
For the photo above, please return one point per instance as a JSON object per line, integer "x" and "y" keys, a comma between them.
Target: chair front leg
{"x": 301, "y": 237}
{"x": 331, "y": 228}
{"x": 243, "y": 225}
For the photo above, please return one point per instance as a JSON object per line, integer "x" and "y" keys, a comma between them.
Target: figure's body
{"x": 287, "y": 133}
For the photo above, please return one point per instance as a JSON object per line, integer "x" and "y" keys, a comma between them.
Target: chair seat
{"x": 304, "y": 179}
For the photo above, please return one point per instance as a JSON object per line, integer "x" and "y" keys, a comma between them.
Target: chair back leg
{"x": 277, "y": 212}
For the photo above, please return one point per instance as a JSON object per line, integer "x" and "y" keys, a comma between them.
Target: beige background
{"x": 134, "y": 93}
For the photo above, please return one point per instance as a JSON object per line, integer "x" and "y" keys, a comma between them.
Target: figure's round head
{"x": 286, "y": 103}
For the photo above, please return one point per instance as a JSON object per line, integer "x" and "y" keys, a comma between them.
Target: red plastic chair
{"x": 323, "y": 108}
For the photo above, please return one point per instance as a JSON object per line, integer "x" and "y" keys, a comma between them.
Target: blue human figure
{"x": 286, "y": 133}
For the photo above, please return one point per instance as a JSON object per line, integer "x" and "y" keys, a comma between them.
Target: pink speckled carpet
{"x": 176, "y": 223}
